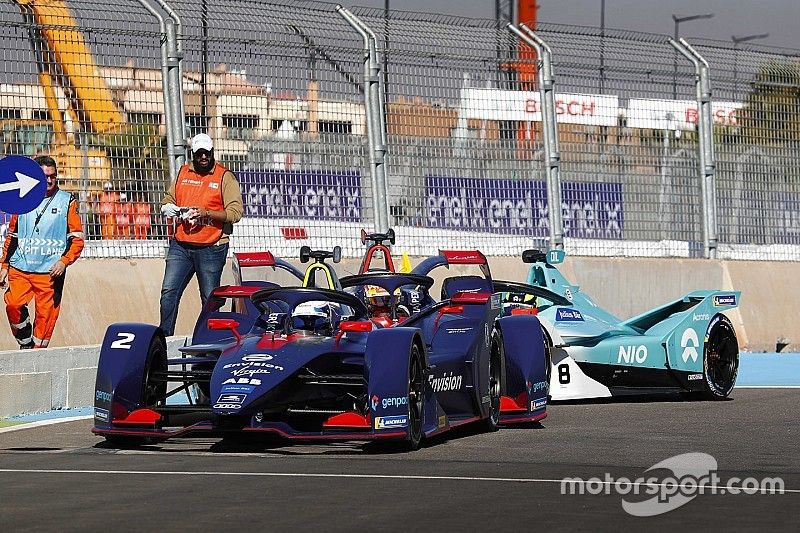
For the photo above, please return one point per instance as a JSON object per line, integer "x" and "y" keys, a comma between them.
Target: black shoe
{"x": 28, "y": 346}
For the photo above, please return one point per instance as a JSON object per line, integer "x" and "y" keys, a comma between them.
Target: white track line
{"x": 767, "y": 387}
{"x": 339, "y": 476}
{"x": 39, "y": 423}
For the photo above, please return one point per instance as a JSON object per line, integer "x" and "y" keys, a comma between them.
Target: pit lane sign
{"x": 22, "y": 184}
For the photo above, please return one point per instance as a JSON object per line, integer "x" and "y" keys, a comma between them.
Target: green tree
{"x": 771, "y": 115}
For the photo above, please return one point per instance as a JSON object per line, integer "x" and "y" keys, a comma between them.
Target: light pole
{"x": 602, "y": 44}
{"x": 678, "y": 19}
{"x": 737, "y": 39}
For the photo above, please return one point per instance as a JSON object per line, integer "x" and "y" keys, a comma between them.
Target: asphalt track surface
{"x": 61, "y": 477}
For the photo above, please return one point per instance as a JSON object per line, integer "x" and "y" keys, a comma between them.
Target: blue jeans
{"x": 183, "y": 261}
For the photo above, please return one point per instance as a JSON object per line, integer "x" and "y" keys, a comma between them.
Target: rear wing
{"x": 454, "y": 257}
{"x": 694, "y": 308}
{"x": 242, "y": 260}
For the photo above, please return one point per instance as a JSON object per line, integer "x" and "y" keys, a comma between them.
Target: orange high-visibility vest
{"x": 196, "y": 190}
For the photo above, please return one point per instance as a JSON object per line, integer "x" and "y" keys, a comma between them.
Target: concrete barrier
{"x": 51, "y": 378}
{"x": 101, "y": 292}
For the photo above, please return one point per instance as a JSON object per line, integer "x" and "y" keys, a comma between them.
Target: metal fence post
{"x": 552, "y": 156}
{"x": 168, "y": 117}
{"x": 707, "y": 157}
{"x": 175, "y": 53}
{"x": 376, "y": 123}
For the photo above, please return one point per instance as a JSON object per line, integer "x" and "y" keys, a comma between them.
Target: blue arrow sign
{"x": 22, "y": 184}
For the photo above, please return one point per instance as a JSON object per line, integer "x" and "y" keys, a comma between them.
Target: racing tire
{"x": 720, "y": 359}
{"x": 154, "y": 384}
{"x": 495, "y": 383}
{"x": 416, "y": 398}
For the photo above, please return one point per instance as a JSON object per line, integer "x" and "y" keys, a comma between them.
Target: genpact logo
{"x": 394, "y": 402}
{"x": 689, "y": 343}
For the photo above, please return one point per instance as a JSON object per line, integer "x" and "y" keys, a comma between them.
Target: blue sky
{"x": 779, "y": 18}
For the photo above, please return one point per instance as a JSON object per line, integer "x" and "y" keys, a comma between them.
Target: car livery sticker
{"x": 237, "y": 388}
{"x": 565, "y": 314}
{"x": 101, "y": 414}
{"x": 539, "y": 385}
{"x": 537, "y": 404}
{"x": 229, "y": 406}
{"x": 446, "y": 382}
{"x": 390, "y": 422}
{"x": 722, "y": 300}
{"x": 231, "y": 398}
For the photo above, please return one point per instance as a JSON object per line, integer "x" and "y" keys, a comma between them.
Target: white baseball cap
{"x": 201, "y": 141}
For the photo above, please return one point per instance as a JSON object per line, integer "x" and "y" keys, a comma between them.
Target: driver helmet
{"x": 518, "y": 299}
{"x": 312, "y": 309}
{"x": 377, "y": 297}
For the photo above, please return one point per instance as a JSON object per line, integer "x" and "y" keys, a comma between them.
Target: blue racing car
{"x": 310, "y": 362}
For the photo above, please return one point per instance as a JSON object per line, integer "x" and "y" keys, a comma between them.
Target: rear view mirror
{"x": 363, "y": 235}
{"x": 225, "y": 323}
{"x": 337, "y": 254}
{"x": 305, "y": 254}
{"x": 390, "y": 235}
{"x": 533, "y": 256}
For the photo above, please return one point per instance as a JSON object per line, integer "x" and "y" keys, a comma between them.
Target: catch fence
{"x": 283, "y": 90}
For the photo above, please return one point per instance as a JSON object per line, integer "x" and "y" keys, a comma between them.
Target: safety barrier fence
{"x": 434, "y": 125}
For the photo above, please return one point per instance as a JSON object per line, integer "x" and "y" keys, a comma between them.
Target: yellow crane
{"x": 72, "y": 85}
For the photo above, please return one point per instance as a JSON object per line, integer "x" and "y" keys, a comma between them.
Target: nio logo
{"x": 632, "y": 354}
{"x": 689, "y": 343}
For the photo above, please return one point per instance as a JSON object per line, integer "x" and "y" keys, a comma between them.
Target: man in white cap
{"x": 205, "y": 201}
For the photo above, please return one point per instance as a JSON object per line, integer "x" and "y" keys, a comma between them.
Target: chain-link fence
{"x": 281, "y": 90}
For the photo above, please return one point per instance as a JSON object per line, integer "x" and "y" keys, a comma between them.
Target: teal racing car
{"x": 686, "y": 345}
